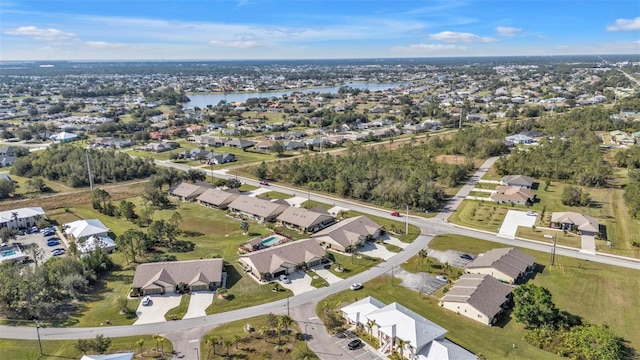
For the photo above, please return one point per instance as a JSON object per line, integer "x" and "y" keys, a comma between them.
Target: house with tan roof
{"x": 420, "y": 338}
{"x": 348, "y": 234}
{"x": 257, "y": 209}
{"x": 573, "y": 221}
{"x": 479, "y": 297}
{"x": 186, "y": 191}
{"x": 508, "y": 265}
{"x": 163, "y": 277}
{"x": 217, "y": 199}
{"x": 522, "y": 181}
{"x": 282, "y": 259}
{"x": 512, "y": 195}
{"x": 305, "y": 220}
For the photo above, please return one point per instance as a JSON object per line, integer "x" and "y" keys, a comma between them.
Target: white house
{"x": 80, "y": 229}
{"x": 395, "y": 325}
{"x": 94, "y": 242}
{"x": 21, "y": 218}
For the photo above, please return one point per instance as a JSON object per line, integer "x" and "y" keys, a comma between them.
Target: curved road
{"x": 183, "y": 333}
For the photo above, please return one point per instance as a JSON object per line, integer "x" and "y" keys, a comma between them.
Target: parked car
{"x": 356, "y": 286}
{"x": 354, "y": 344}
{"x": 146, "y": 301}
{"x": 441, "y": 278}
{"x": 48, "y": 232}
{"x": 264, "y": 183}
{"x": 532, "y": 213}
{"x": 34, "y": 229}
{"x": 58, "y": 252}
{"x": 53, "y": 242}
{"x": 466, "y": 257}
{"x": 285, "y": 279}
{"x": 395, "y": 213}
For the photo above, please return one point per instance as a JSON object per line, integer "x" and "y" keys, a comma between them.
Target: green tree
{"x": 36, "y": 184}
{"x": 244, "y": 226}
{"x": 534, "y": 307}
{"x": 574, "y": 196}
{"x": 127, "y": 209}
{"x": 7, "y": 188}
{"x": 591, "y": 342}
{"x": 7, "y": 234}
{"x": 140, "y": 342}
{"x": 277, "y": 148}
{"x": 261, "y": 172}
{"x": 194, "y": 175}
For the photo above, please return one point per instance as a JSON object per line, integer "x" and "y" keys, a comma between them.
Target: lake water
{"x": 202, "y": 100}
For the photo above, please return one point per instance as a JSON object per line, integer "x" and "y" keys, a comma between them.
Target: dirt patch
{"x": 451, "y": 159}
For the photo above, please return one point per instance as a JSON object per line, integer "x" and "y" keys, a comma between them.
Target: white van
{"x": 146, "y": 301}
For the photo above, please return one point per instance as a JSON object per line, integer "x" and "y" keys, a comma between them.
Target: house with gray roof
{"x": 163, "y": 277}
{"x": 508, "y": 265}
{"x": 274, "y": 261}
{"x": 479, "y": 297}
{"x": 217, "y": 199}
{"x": 257, "y": 209}
{"x": 522, "y": 181}
{"x": 348, "y": 234}
{"x": 239, "y": 143}
{"x": 305, "y": 220}
{"x": 573, "y": 221}
{"x": 186, "y": 191}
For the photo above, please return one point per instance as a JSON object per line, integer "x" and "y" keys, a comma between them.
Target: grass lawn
{"x": 277, "y": 195}
{"x": 392, "y": 248}
{"x": 65, "y": 349}
{"x": 310, "y": 204}
{"x": 491, "y": 342}
{"x": 568, "y": 239}
{"x": 607, "y": 294}
{"x": 254, "y": 345}
{"x": 432, "y": 266}
{"x": 179, "y": 311}
{"x": 485, "y": 216}
{"x": 316, "y": 281}
{"x": 351, "y": 265}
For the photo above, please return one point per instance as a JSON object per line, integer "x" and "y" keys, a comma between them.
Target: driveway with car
{"x": 198, "y": 304}
{"x": 300, "y": 283}
{"x": 154, "y": 313}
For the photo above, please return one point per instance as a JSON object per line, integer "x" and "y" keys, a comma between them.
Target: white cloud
{"x": 238, "y": 44}
{"x": 104, "y": 45}
{"x": 507, "y": 31}
{"x": 457, "y": 37}
{"x": 625, "y": 25}
{"x": 41, "y": 34}
{"x": 436, "y": 47}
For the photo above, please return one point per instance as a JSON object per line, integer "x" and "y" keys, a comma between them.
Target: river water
{"x": 202, "y": 100}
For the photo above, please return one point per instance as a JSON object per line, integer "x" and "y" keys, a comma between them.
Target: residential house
{"x": 21, "y": 218}
{"x": 622, "y": 138}
{"x": 479, "y": 297}
{"x": 186, "y": 191}
{"x": 217, "y": 199}
{"x": 265, "y": 145}
{"x": 522, "y": 181}
{"x": 93, "y": 242}
{"x": 476, "y": 117}
{"x": 110, "y": 142}
{"x": 6, "y": 161}
{"x": 159, "y": 147}
{"x": 293, "y": 145}
{"x": 220, "y": 158}
{"x": 305, "y": 220}
{"x": 63, "y": 137}
{"x": 166, "y": 276}
{"x": 348, "y": 234}
{"x": 573, "y": 221}
{"x": 80, "y": 230}
{"x": 512, "y": 195}
{"x": 239, "y": 143}
{"x": 518, "y": 139}
{"x": 508, "y": 265}
{"x": 257, "y": 209}
{"x": 274, "y": 261}
{"x": 399, "y": 329}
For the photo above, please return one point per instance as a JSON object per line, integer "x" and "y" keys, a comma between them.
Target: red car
{"x": 395, "y": 213}
{"x": 264, "y": 183}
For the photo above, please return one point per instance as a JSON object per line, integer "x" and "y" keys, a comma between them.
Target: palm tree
{"x": 227, "y": 343}
{"x": 401, "y": 344}
{"x": 370, "y": 325}
{"x": 423, "y": 254}
{"x": 286, "y": 322}
{"x": 264, "y": 331}
{"x": 140, "y": 342}
{"x": 236, "y": 338}
{"x": 161, "y": 340}
{"x": 212, "y": 341}
{"x": 244, "y": 226}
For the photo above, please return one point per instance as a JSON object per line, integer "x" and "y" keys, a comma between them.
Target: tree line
{"x": 68, "y": 163}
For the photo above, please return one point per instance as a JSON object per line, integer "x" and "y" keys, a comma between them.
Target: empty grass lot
{"x": 607, "y": 294}
{"x": 65, "y": 349}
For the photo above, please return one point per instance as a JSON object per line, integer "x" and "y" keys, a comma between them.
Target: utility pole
{"x": 406, "y": 222}
{"x": 86, "y": 153}
{"x": 39, "y": 341}
{"x": 287, "y": 303}
{"x": 392, "y": 275}
{"x": 553, "y": 249}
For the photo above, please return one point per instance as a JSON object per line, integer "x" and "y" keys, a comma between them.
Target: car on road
{"x": 441, "y": 278}
{"x": 466, "y": 257}
{"x": 264, "y": 183}
{"x": 395, "y": 213}
{"x": 146, "y": 301}
{"x": 356, "y": 286}
{"x": 53, "y": 242}
{"x": 58, "y": 252}
{"x": 285, "y": 279}
{"x": 354, "y": 344}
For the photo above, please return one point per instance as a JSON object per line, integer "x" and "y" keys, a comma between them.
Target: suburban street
{"x": 182, "y": 333}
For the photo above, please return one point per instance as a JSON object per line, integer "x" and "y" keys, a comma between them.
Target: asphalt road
{"x": 182, "y": 333}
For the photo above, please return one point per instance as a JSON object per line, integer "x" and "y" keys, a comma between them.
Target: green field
{"x": 65, "y": 349}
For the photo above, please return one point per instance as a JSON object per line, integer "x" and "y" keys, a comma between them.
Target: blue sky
{"x": 313, "y": 29}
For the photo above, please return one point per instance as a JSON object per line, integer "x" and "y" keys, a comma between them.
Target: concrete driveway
{"x": 376, "y": 250}
{"x": 256, "y": 192}
{"x": 296, "y": 201}
{"x": 512, "y": 220}
{"x": 300, "y": 283}
{"x": 155, "y": 312}
{"x": 326, "y": 274}
{"x": 198, "y": 303}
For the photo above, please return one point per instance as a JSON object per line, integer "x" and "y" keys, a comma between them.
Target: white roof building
{"x": 21, "y": 218}
{"x": 94, "y": 242}
{"x": 86, "y": 228}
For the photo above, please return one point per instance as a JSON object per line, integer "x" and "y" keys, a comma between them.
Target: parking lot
{"x": 363, "y": 352}
{"x": 43, "y": 251}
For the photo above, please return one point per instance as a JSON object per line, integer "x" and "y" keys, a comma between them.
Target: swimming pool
{"x": 270, "y": 240}
{"x": 7, "y": 253}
